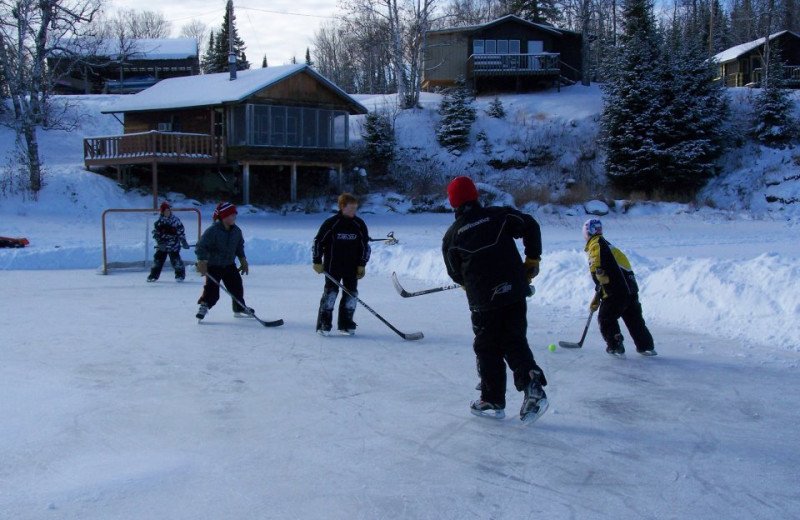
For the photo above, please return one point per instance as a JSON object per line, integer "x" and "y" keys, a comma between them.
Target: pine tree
{"x": 457, "y": 113}
{"x": 694, "y": 108}
{"x": 207, "y": 63}
{"x": 775, "y": 124}
{"x": 308, "y": 58}
{"x": 496, "y": 109}
{"x": 633, "y": 103}
{"x": 228, "y": 35}
{"x": 264, "y": 62}
{"x": 378, "y": 134}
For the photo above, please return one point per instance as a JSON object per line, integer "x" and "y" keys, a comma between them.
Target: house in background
{"x": 261, "y": 133}
{"x": 507, "y": 54}
{"x": 743, "y": 64}
{"x": 122, "y": 67}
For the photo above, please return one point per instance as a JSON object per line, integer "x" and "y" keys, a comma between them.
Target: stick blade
{"x": 275, "y": 323}
{"x": 399, "y": 288}
{"x": 567, "y": 344}
{"x": 413, "y": 336}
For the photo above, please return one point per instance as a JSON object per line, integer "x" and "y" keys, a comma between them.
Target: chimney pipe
{"x": 232, "y": 65}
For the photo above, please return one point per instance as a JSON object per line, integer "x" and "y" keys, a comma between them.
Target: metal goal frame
{"x": 147, "y": 210}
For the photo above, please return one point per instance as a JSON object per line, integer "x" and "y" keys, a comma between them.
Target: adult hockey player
{"x": 616, "y": 293}
{"x": 216, "y": 253}
{"x": 170, "y": 236}
{"x": 341, "y": 247}
{"x": 480, "y": 253}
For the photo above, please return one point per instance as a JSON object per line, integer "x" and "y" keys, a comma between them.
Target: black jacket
{"x": 480, "y": 253}
{"x": 341, "y": 245}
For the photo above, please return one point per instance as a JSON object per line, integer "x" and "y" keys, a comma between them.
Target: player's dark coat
{"x": 480, "y": 253}
{"x": 342, "y": 245}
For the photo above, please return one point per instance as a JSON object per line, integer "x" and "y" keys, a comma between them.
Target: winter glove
{"x": 184, "y": 244}
{"x": 360, "y": 272}
{"x": 531, "y": 268}
{"x": 202, "y": 267}
{"x": 595, "y": 303}
{"x": 318, "y": 268}
{"x": 243, "y": 267}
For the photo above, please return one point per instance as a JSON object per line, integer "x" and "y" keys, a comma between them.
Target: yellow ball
{"x": 552, "y": 347}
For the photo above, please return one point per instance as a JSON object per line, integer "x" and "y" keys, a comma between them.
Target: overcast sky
{"x": 280, "y": 29}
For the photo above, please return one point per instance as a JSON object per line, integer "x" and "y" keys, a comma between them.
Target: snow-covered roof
{"x": 137, "y": 48}
{"x": 466, "y": 28}
{"x": 215, "y": 89}
{"x": 743, "y": 48}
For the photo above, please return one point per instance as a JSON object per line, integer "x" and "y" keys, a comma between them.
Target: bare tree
{"x": 132, "y": 24}
{"x": 30, "y": 32}
{"x": 197, "y": 30}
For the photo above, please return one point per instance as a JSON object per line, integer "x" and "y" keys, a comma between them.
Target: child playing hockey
{"x": 616, "y": 293}
{"x": 169, "y": 235}
{"x": 216, "y": 252}
{"x": 480, "y": 253}
{"x": 341, "y": 248}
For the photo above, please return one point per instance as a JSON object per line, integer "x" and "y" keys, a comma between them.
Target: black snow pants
{"x": 500, "y": 338}
{"x": 629, "y": 309}
{"x": 347, "y": 306}
{"x": 228, "y": 276}
{"x": 174, "y": 258}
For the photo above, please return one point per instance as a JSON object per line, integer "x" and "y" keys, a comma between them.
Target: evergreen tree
{"x": 774, "y": 108}
{"x": 458, "y": 114}
{"x": 694, "y": 109}
{"x": 496, "y": 109}
{"x": 633, "y": 103}
{"x": 308, "y": 58}
{"x": 264, "y": 62}
{"x": 207, "y": 62}
{"x": 227, "y": 38}
{"x": 378, "y": 134}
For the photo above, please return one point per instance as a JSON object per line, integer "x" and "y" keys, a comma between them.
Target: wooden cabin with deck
{"x": 261, "y": 134}
{"x": 113, "y": 67}
{"x": 507, "y": 54}
{"x": 743, "y": 65}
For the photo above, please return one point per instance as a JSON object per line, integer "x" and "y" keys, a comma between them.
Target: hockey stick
{"x": 406, "y": 294}
{"x": 390, "y": 240}
{"x": 579, "y": 344}
{"x": 409, "y": 336}
{"x": 274, "y": 323}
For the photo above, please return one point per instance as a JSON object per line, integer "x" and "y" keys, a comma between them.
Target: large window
{"x": 495, "y": 47}
{"x": 288, "y": 127}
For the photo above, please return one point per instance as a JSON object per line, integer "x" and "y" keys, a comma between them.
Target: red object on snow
{"x": 13, "y": 242}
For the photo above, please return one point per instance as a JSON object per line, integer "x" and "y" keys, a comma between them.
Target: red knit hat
{"x": 461, "y": 190}
{"x": 223, "y": 210}
{"x": 165, "y": 205}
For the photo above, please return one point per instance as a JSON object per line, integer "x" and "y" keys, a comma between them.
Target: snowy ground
{"x": 118, "y": 405}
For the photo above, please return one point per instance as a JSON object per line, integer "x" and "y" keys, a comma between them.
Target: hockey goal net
{"x": 128, "y": 236}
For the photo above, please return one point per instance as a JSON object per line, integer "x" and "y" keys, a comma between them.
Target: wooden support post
{"x": 293, "y": 186}
{"x": 246, "y": 183}
{"x": 155, "y": 185}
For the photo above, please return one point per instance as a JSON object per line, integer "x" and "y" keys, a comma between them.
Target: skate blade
{"x": 648, "y": 353}
{"x": 489, "y": 414}
{"x": 616, "y": 355}
{"x": 534, "y": 416}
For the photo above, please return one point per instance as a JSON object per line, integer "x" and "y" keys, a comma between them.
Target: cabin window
{"x": 281, "y": 126}
{"x": 477, "y": 47}
{"x": 502, "y": 46}
{"x": 513, "y": 47}
{"x": 491, "y": 46}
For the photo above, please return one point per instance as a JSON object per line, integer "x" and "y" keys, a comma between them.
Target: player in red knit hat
{"x": 480, "y": 253}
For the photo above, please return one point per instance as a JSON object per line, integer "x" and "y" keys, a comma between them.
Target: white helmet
{"x": 592, "y": 227}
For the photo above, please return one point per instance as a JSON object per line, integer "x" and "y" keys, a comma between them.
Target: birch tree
{"x": 31, "y": 31}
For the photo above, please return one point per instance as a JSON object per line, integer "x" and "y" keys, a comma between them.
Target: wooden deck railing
{"x": 514, "y": 64}
{"x": 154, "y": 146}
